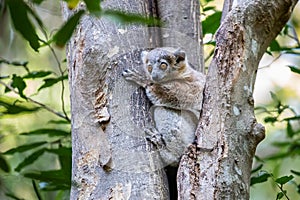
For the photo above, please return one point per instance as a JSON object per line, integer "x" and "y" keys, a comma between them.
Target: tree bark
{"x": 218, "y": 166}
{"x": 111, "y": 156}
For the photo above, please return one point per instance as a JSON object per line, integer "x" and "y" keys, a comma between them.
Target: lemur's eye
{"x": 163, "y": 66}
{"x": 149, "y": 68}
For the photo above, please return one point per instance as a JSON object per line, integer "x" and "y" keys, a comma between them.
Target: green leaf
{"x": 19, "y": 15}
{"x": 258, "y": 158}
{"x": 206, "y": 8}
{"x": 293, "y": 52}
{"x": 65, "y": 32}
{"x": 270, "y": 120}
{"x": 295, "y": 172}
{"x": 279, "y": 195}
{"x": 212, "y": 23}
{"x": 289, "y": 129}
{"x": 286, "y": 29}
{"x": 278, "y": 156}
{"x": 30, "y": 159}
{"x": 18, "y": 63}
{"x": 274, "y": 46}
{"x": 56, "y": 187}
{"x": 257, "y": 168}
{"x": 19, "y": 83}
{"x": 284, "y": 179}
{"x": 37, "y": 74}
{"x": 54, "y": 176}
{"x": 281, "y": 144}
{"x": 274, "y": 97}
{"x": 61, "y": 151}
{"x": 62, "y": 194}
{"x": 51, "y": 81}
{"x": 260, "y": 178}
{"x": 10, "y": 106}
{"x": 66, "y": 164}
{"x": 14, "y": 63}
{"x": 37, "y": 19}
{"x": 297, "y": 117}
{"x": 58, "y": 122}
{"x": 93, "y": 5}
{"x": 261, "y": 108}
{"x": 49, "y": 132}
{"x": 294, "y": 149}
{"x": 3, "y": 164}
{"x": 294, "y": 69}
{"x": 65, "y": 158}
{"x": 24, "y": 148}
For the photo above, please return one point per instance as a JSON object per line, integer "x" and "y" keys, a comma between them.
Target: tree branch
{"x": 62, "y": 81}
{"x": 36, "y": 102}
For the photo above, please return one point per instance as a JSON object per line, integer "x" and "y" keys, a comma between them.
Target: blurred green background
{"x": 273, "y": 75}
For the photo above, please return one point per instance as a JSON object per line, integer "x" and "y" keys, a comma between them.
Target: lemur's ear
{"x": 144, "y": 56}
{"x": 180, "y": 55}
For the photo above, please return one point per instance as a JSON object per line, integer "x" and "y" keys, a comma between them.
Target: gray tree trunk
{"x": 111, "y": 157}
{"x": 218, "y": 166}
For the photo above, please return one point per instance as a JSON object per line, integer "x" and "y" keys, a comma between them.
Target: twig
{"x": 268, "y": 65}
{"x": 14, "y": 63}
{"x": 280, "y": 186}
{"x": 36, "y": 190}
{"x": 36, "y": 102}
{"x": 294, "y": 34}
{"x": 62, "y": 81}
{"x": 282, "y": 191}
{"x": 60, "y": 70}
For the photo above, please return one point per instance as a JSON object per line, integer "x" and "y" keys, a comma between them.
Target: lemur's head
{"x": 165, "y": 63}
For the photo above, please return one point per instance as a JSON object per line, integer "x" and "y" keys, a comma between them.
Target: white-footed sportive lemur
{"x": 170, "y": 82}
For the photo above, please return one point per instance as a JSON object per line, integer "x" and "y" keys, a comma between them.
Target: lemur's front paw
{"x": 129, "y": 74}
{"x": 135, "y": 76}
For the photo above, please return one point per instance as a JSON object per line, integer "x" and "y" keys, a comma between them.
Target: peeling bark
{"x": 228, "y": 133}
{"x": 111, "y": 156}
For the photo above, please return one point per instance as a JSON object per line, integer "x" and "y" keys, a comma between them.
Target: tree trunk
{"x": 218, "y": 166}
{"x": 111, "y": 156}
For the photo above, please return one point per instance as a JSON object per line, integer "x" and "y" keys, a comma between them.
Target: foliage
{"x": 288, "y": 148}
{"x": 24, "y": 18}
{"x": 289, "y": 119}
{"x": 211, "y": 19}
{"x": 57, "y": 142}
